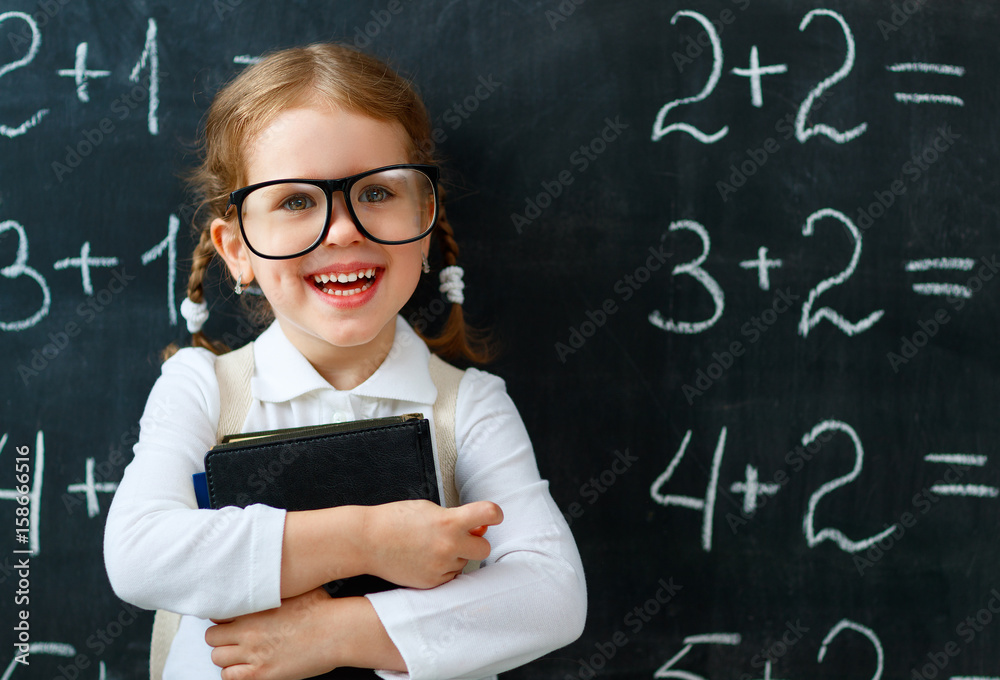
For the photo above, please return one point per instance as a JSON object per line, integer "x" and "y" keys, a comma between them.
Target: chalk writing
{"x": 36, "y": 41}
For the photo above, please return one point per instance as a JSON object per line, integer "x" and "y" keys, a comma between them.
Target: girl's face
{"x": 317, "y": 142}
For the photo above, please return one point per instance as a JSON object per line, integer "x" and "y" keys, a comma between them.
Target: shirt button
{"x": 339, "y": 417}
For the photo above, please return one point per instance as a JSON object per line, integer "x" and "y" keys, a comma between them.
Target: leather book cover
{"x": 366, "y": 462}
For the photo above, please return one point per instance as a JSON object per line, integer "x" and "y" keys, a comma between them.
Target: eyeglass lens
{"x": 391, "y": 205}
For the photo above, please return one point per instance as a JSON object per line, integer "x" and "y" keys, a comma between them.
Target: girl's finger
{"x": 220, "y": 634}
{"x": 479, "y": 549}
{"x": 228, "y": 655}
{"x": 481, "y": 513}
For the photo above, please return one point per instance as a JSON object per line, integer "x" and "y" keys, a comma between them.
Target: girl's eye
{"x": 373, "y": 194}
{"x": 297, "y": 203}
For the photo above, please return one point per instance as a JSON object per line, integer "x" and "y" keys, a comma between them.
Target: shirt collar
{"x": 281, "y": 373}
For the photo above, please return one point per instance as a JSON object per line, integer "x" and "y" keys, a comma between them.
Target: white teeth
{"x": 348, "y": 293}
{"x": 345, "y": 277}
{"x": 366, "y": 275}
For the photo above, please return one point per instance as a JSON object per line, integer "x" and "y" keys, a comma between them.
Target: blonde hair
{"x": 242, "y": 110}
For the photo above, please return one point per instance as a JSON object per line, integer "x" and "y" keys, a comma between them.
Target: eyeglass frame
{"x": 329, "y": 186}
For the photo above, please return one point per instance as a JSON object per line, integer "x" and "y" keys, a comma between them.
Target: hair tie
{"x": 452, "y": 284}
{"x": 195, "y": 313}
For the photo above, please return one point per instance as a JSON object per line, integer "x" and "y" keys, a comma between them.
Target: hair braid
{"x": 457, "y": 338}
{"x": 201, "y": 259}
{"x": 446, "y": 236}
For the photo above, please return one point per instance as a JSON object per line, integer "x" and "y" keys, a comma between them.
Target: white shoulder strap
{"x": 165, "y": 625}
{"x": 446, "y": 378}
{"x": 234, "y": 371}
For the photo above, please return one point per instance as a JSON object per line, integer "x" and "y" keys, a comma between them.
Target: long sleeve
{"x": 161, "y": 552}
{"x": 530, "y": 596}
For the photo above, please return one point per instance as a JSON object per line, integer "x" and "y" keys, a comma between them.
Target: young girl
{"x": 336, "y": 261}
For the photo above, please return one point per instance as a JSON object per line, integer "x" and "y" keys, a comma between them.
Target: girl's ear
{"x": 230, "y": 247}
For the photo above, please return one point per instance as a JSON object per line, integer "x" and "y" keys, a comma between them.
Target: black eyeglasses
{"x": 285, "y": 218}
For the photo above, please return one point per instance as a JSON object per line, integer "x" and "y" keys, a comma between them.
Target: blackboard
{"x": 742, "y": 257}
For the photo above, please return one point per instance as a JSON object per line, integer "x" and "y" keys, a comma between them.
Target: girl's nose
{"x": 343, "y": 231}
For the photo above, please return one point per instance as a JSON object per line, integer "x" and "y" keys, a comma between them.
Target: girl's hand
{"x": 292, "y": 641}
{"x": 418, "y": 544}
{"x": 307, "y": 635}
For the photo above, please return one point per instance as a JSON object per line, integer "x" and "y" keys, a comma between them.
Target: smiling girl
{"x": 320, "y": 188}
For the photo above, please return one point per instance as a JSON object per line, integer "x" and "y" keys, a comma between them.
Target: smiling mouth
{"x": 346, "y": 284}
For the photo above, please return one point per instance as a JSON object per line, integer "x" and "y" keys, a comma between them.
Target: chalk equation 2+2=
{"x": 754, "y": 71}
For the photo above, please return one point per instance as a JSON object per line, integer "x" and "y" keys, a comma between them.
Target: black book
{"x": 366, "y": 462}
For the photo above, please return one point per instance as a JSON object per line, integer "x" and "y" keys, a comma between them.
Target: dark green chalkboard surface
{"x": 743, "y": 257}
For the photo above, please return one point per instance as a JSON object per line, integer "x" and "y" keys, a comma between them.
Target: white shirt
{"x": 162, "y": 552}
